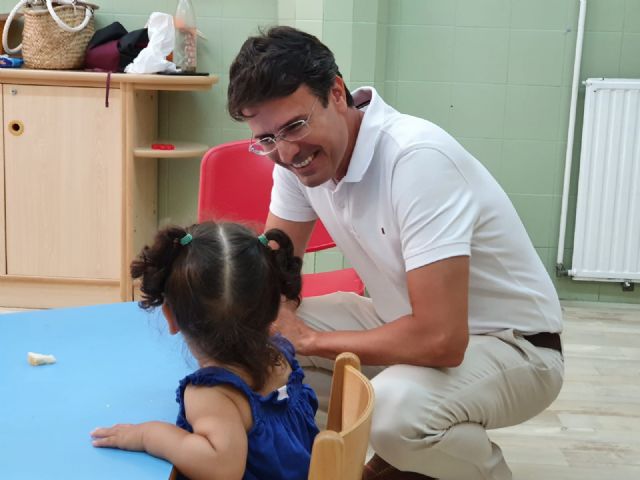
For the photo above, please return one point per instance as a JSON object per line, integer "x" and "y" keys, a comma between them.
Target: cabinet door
{"x": 63, "y": 181}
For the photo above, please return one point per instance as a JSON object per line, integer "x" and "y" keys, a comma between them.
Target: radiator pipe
{"x": 560, "y": 269}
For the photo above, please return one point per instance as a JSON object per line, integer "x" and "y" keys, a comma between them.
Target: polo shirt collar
{"x": 370, "y": 127}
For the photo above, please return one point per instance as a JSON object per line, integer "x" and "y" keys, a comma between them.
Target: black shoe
{"x": 378, "y": 469}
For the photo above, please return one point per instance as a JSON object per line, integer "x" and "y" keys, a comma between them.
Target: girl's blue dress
{"x": 283, "y": 430}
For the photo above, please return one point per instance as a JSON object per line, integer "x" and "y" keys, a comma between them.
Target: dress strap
{"x": 285, "y": 346}
{"x": 289, "y": 352}
{"x": 214, "y": 376}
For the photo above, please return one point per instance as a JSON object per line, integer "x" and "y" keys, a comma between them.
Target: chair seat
{"x": 345, "y": 280}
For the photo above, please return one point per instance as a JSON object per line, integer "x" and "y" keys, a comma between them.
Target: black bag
{"x": 131, "y": 45}
{"x": 112, "y": 48}
{"x": 115, "y": 31}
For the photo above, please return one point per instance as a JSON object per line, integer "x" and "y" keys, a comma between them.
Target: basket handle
{"x": 5, "y": 31}
{"x": 7, "y": 25}
{"x": 87, "y": 15}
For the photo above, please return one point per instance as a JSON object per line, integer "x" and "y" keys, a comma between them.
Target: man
{"x": 461, "y": 311}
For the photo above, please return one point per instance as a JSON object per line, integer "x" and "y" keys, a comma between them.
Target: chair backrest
{"x": 235, "y": 185}
{"x": 339, "y": 451}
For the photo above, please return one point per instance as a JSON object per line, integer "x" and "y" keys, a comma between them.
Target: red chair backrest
{"x": 235, "y": 185}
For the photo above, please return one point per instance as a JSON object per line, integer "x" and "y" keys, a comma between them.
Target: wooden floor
{"x": 592, "y": 431}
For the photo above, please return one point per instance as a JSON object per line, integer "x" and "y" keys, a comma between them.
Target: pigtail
{"x": 287, "y": 266}
{"x": 154, "y": 265}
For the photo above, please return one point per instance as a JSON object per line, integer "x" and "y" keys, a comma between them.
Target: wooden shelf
{"x": 182, "y": 150}
{"x": 99, "y": 79}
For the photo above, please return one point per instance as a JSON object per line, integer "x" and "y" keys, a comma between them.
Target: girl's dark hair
{"x": 224, "y": 289}
{"x": 275, "y": 64}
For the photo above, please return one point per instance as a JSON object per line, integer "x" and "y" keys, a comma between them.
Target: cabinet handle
{"x": 16, "y": 127}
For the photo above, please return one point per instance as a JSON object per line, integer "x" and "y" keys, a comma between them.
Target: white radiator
{"x": 607, "y": 233}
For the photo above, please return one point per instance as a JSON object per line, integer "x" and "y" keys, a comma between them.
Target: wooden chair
{"x": 339, "y": 451}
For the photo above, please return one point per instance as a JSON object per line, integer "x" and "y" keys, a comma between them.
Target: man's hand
{"x": 434, "y": 334}
{"x": 290, "y": 326}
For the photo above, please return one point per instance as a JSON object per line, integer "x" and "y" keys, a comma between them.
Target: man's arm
{"x": 299, "y": 232}
{"x": 436, "y": 334}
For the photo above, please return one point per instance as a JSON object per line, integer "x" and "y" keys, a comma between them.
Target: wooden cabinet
{"x": 78, "y": 182}
{"x": 62, "y": 181}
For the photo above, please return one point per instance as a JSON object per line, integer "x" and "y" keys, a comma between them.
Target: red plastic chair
{"x": 235, "y": 185}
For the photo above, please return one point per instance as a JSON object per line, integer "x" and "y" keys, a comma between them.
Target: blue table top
{"x": 115, "y": 364}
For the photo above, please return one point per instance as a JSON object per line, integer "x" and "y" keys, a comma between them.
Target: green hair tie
{"x": 186, "y": 240}
{"x": 263, "y": 240}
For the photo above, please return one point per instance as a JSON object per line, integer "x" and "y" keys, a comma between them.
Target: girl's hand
{"x": 124, "y": 436}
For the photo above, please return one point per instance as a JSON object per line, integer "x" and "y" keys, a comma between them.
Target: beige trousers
{"x": 434, "y": 420}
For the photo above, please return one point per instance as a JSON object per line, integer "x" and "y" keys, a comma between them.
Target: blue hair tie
{"x": 186, "y": 240}
{"x": 263, "y": 240}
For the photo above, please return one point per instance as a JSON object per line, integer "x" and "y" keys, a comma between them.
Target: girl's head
{"x": 223, "y": 287}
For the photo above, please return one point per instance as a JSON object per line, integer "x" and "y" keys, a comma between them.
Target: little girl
{"x": 245, "y": 414}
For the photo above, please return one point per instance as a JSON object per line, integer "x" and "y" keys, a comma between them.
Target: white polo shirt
{"x": 413, "y": 195}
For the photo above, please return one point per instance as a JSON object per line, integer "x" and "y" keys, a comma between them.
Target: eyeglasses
{"x": 289, "y": 133}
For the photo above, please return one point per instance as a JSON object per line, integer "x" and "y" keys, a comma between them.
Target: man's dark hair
{"x": 275, "y": 64}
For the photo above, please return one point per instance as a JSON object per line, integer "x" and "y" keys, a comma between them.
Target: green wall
{"x": 494, "y": 73}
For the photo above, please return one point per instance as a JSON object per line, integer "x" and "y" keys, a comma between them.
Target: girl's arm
{"x": 217, "y": 448}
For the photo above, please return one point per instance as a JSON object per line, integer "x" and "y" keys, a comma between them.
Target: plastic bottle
{"x": 185, "y": 48}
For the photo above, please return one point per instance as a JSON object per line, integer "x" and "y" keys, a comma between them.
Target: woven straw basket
{"x": 45, "y": 45}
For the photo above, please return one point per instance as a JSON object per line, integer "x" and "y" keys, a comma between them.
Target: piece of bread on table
{"x": 36, "y": 359}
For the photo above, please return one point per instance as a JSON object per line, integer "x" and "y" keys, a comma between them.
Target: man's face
{"x": 322, "y": 153}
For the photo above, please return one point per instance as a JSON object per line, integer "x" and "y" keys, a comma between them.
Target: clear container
{"x": 185, "y": 48}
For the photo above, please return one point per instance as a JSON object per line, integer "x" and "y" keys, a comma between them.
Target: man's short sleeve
{"x": 434, "y": 205}
{"x": 288, "y": 200}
